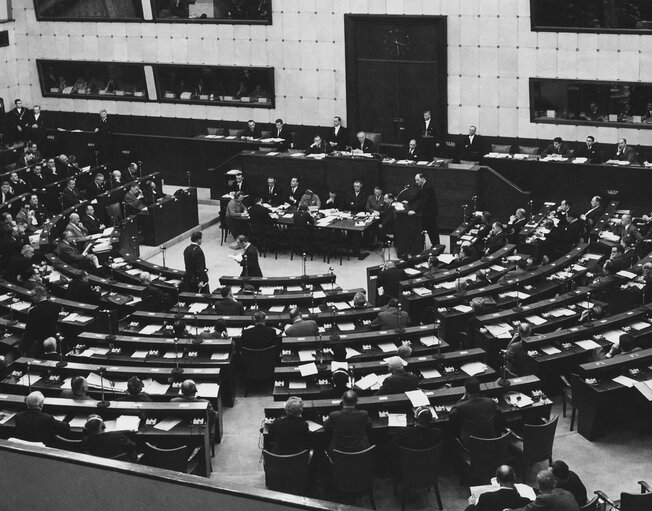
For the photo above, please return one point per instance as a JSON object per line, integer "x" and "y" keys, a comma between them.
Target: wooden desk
{"x": 168, "y": 217}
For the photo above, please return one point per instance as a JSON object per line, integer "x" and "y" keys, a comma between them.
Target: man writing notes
{"x": 337, "y": 136}
{"x": 558, "y": 147}
{"x": 425, "y": 202}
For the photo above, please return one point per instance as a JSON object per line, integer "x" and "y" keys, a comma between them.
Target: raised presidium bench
{"x": 529, "y": 409}
{"x": 451, "y": 368}
{"x": 159, "y": 422}
{"x": 25, "y": 375}
{"x": 608, "y": 393}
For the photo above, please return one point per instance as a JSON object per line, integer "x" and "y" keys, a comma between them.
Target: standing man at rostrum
{"x": 196, "y": 276}
{"x": 425, "y": 202}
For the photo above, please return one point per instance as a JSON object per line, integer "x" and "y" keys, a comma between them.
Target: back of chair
{"x": 353, "y": 472}
{"x": 259, "y": 364}
{"x": 526, "y": 149}
{"x": 217, "y": 131}
{"x": 267, "y": 133}
{"x": 171, "y": 459}
{"x": 375, "y": 140}
{"x": 419, "y": 467}
{"x": 67, "y": 443}
{"x": 635, "y": 501}
{"x": 287, "y": 473}
{"x": 538, "y": 440}
{"x": 591, "y": 505}
{"x": 501, "y": 148}
{"x": 487, "y": 454}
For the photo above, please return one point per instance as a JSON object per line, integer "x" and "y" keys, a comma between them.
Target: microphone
{"x": 103, "y": 403}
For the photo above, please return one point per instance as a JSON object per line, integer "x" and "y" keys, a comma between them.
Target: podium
{"x": 408, "y": 239}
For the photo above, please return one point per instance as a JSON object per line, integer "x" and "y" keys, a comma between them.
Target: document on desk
{"x": 168, "y": 423}
{"x": 335, "y": 365}
{"x": 350, "y": 353}
{"x": 294, "y": 289}
{"x": 430, "y": 340}
{"x": 306, "y": 355}
{"x": 640, "y": 325}
{"x": 313, "y": 426}
{"x": 171, "y": 354}
{"x": 535, "y": 320}
{"x": 297, "y": 384}
{"x": 644, "y": 387}
{"x": 613, "y": 336}
{"x": 588, "y": 344}
{"x": 27, "y": 380}
{"x": 267, "y": 290}
{"x": 6, "y": 416}
{"x": 550, "y": 350}
{"x": 151, "y": 386}
{"x": 21, "y": 306}
{"x": 626, "y": 274}
{"x": 308, "y": 369}
{"x": 150, "y": 329}
{"x": 233, "y": 331}
{"x": 523, "y": 489}
{"x": 421, "y": 291}
{"x": 417, "y": 398}
{"x": 473, "y": 368}
{"x": 341, "y": 306}
{"x": 446, "y": 258}
{"x": 197, "y": 307}
{"x": 219, "y": 356}
{"x": 387, "y": 347}
{"x": 396, "y": 420}
{"x": 499, "y": 329}
{"x": 127, "y": 423}
{"x": 347, "y": 326}
{"x": 319, "y": 294}
{"x": 367, "y": 381}
{"x": 462, "y": 308}
{"x": 277, "y": 309}
{"x": 139, "y": 354}
{"x": 430, "y": 373}
{"x": 411, "y": 271}
{"x": 208, "y": 390}
{"x": 624, "y": 380}
{"x": 78, "y": 421}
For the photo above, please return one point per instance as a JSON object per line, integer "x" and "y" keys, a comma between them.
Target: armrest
{"x": 194, "y": 454}
{"x": 564, "y": 380}
{"x": 603, "y": 496}
{"x": 514, "y": 434}
{"x": 645, "y": 487}
{"x": 461, "y": 446}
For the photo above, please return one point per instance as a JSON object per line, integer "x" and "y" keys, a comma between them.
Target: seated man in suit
{"x": 550, "y": 498}
{"x": 283, "y": 131}
{"x": 629, "y": 234}
{"x": 590, "y": 150}
{"x": 189, "y": 394}
{"x": 497, "y": 239}
{"x": 259, "y": 214}
{"x": 300, "y": 327}
{"x": 5, "y": 192}
{"x": 568, "y": 480}
{"x": 375, "y": 202}
{"x": 389, "y": 279}
{"x": 318, "y": 146}
{"x": 18, "y": 185}
{"x": 349, "y": 425}
{"x": 357, "y": 198}
{"x": 422, "y": 435}
{"x": 363, "y": 144}
{"x": 252, "y": 132}
{"x": 77, "y": 228}
{"x": 302, "y": 217}
{"x": 558, "y": 147}
{"x": 36, "y": 178}
{"x": 78, "y": 390}
{"x": 412, "y": 152}
{"x": 470, "y": 146}
{"x": 240, "y": 185}
{"x": 476, "y": 415}
{"x": 154, "y": 298}
{"x": 69, "y": 254}
{"x": 50, "y": 349}
{"x": 80, "y": 289}
{"x": 399, "y": 380}
{"x": 259, "y": 336}
{"x": 150, "y": 193}
{"x": 228, "y": 306}
{"x": 295, "y": 193}
{"x": 391, "y": 317}
{"x": 19, "y": 264}
{"x": 134, "y": 200}
{"x": 34, "y": 425}
{"x": 593, "y": 214}
{"x": 98, "y": 442}
{"x": 334, "y": 201}
{"x": 290, "y": 434}
{"x": 506, "y": 496}
{"x": 90, "y": 221}
{"x": 96, "y": 187}
{"x": 625, "y": 153}
{"x": 272, "y": 194}
{"x": 135, "y": 391}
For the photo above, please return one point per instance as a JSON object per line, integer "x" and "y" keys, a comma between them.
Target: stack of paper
{"x": 396, "y": 420}
{"x": 308, "y": 369}
{"x": 127, "y": 423}
{"x": 417, "y": 398}
{"x": 588, "y": 344}
{"x": 430, "y": 340}
{"x": 366, "y": 382}
{"x": 306, "y": 355}
{"x": 473, "y": 368}
{"x": 197, "y": 307}
{"x": 168, "y": 423}
{"x": 150, "y": 329}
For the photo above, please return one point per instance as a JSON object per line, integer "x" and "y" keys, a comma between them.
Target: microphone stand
{"x": 188, "y": 177}
{"x": 111, "y": 336}
{"x": 163, "y": 249}
{"x": 404, "y": 188}
{"x": 246, "y": 266}
{"x": 196, "y": 339}
{"x": 465, "y": 208}
{"x": 320, "y": 347}
{"x": 331, "y": 271}
{"x": 104, "y": 403}
{"x": 12, "y": 319}
{"x": 140, "y": 169}
{"x": 518, "y": 307}
{"x": 475, "y": 202}
{"x": 503, "y": 381}
{"x": 255, "y": 300}
{"x": 62, "y": 362}
{"x": 334, "y": 336}
{"x": 177, "y": 370}
{"x": 399, "y": 329}
{"x": 303, "y": 258}
{"x": 531, "y": 204}
{"x": 589, "y": 324}
{"x": 29, "y": 379}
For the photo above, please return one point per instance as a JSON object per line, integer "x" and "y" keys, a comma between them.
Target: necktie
{"x": 270, "y": 190}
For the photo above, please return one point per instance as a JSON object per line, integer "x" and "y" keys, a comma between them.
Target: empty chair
{"x": 567, "y": 398}
{"x": 287, "y": 473}
{"x": 258, "y": 364}
{"x": 353, "y": 473}
{"x": 630, "y": 501}
{"x": 420, "y": 469}
{"x": 217, "y": 131}
{"x": 483, "y": 456}
{"x": 537, "y": 442}
{"x": 176, "y": 458}
{"x": 67, "y": 444}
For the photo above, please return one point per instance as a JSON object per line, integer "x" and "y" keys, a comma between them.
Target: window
{"x": 95, "y": 80}
{"x": 620, "y": 16}
{"x": 72, "y": 10}
{"x": 213, "y": 11}
{"x": 591, "y": 102}
{"x": 233, "y": 86}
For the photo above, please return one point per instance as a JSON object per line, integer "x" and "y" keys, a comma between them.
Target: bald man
{"x": 34, "y": 425}
{"x": 399, "y": 380}
{"x": 349, "y": 425}
{"x": 76, "y": 227}
{"x": 504, "y": 497}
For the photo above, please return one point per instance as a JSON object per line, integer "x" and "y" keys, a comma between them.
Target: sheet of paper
{"x": 588, "y": 344}
{"x": 463, "y": 308}
{"x": 446, "y": 258}
{"x": 350, "y": 353}
{"x": 153, "y": 387}
{"x": 396, "y": 420}
{"x": 625, "y": 380}
{"x": 127, "y": 423}
{"x": 219, "y": 356}
{"x": 473, "y": 368}
{"x": 149, "y": 329}
{"x": 367, "y": 381}
{"x": 319, "y": 294}
{"x": 233, "y": 331}
{"x": 550, "y": 350}
{"x": 197, "y": 307}
{"x": 27, "y": 380}
{"x": 208, "y": 390}
{"x": 78, "y": 421}
{"x": 387, "y": 347}
{"x": 341, "y": 306}
{"x": 411, "y": 271}
{"x": 613, "y": 336}
{"x": 313, "y": 426}
{"x": 139, "y": 354}
{"x": 335, "y": 365}
{"x": 6, "y": 416}
{"x": 421, "y": 291}
{"x": 347, "y": 326}
{"x": 168, "y": 423}
{"x": 417, "y": 398}
{"x": 306, "y": 355}
{"x": 640, "y": 325}
{"x": 643, "y": 388}
{"x": 277, "y": 308}
{"x": 430, "y": 373}
{"x": 308, "y": 369}
{"x": 293, "y": 289}
{"x": 297, "y": 385}
{"x": 430, "y": 340}
{"x": 535, "y": 320}
{"x": 626, "y": 274}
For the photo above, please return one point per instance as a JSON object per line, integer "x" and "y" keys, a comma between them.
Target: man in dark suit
{"x": 318, "y": 146}
{"x": 470, "y": 146}
{"x": 625, "y": 153}
{"x": 272, "y": 194}
{"x": 80, "y": 290}
{"x": 70, "y": 195}
{"x": 134, "y": 200}
{"x": 334, "y": 201}
{"x": 476, "y": 415}
{"x": 376, "y": 201}
{"x": 37, "y": 124}
{"x": 19, "y": 264}
{"x": 34, "y": 425}
{"x": 241, "y": 185}
{"x": 550, "y": 497}
{"x": 259, "y": 336}
{"x": 422, "y": 435}
{"x": 98, "y": 442}
{"x": 430, "y": 136}
{"x": 338, "y": 139}
{"x": 154, "y": 298}
{"x": 399, "y": 380}
{"x": 283, "y": 131}
{"x": 51, "y": 171}
{"x": 104, "y": 125}
{"x": 295, "y": 192}
{"x": 41, "y": 323}
{"x": 558, "y": 147}
{"x": 36, "y": 178}
{"x": 18, "y": 185}
{"x": 5, "y": 192}
{"x": 425, "y": 202}
{"x": 593, "y": 214}
{"x": 252, "y": 132}
{"x": 196, "y": 276}
{"x": 363, "y": 144}
{"x": 496, "y": 239}
{"x": 516, "y": 222}
{"x": 96, "y": 187}
{"x": 590, "y": 150}
{"x": 349, "y": 425}
{"x": 130, "y": 173}
{"x": 18, "y": 122}
{"x": 249, "y": 259}
{"x": 390, "y": 318}
{"x": 389, "y": 279}
{"x": 300, "y": 327}
{"x": 228, "y": 306}
{"x": 90, "y": 221}
{"x": 357, "y": 199}
{"x": 569, "y": 481}
{"x": 259, "y": 214}
{"x": 505, "y": 497}
{"x": 151, "y": 193}
{"x": 290, "y": 433}
{"x": 40, "y": 213}
{"x": 412, "y": 152}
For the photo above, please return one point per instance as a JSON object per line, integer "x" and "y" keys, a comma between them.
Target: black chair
{"x": 287, "y": 473}
{"x": 353, "y": 473}
{"x": 567, "y": 398}
{"x": 482, "y": 456}
{"x": 537, "y": 442}
{"x": 630, "y": 501}
{"x": 67, "y": 444}
{"x": 420, "y": 468}
{"x": 258, "y": 364}
{"x": 591, "y": 505}
{"x": 176, "y": 458}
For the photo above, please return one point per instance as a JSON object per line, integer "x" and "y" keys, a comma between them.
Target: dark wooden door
{"x": 396, "y": 68}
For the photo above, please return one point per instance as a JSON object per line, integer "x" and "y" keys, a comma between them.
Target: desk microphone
{"x": 503, "y": 381}
{"x": 177, "y": 371}
{"x": 196, "y": 339}
{"x": 29, "y": 379}
{"x": 104, "y": 403}
{"x": 61, "y": 362}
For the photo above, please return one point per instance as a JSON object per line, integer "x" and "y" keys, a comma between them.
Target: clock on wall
{"x": 397, "y": 42}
